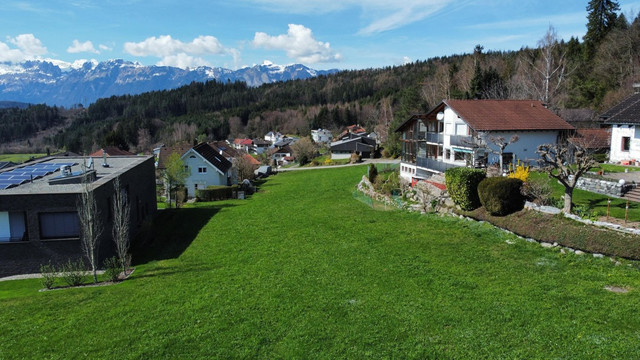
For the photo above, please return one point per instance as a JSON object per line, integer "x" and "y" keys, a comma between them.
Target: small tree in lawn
{"x": 175, "y": 174}
{"x": 121, "y": 221}
{"x": 566, "y": 162}
{"x": 244, "y": 166}
{"x": 90, "y": 225}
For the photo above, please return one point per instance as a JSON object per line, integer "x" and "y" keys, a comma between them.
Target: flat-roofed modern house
{"x": 459, "y": 132}
{"x": 38, "y": 206}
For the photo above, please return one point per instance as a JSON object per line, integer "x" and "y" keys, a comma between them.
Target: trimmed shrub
{"x": 462, "y": 184}
{"x": 213, "y": 193}
{"x": 501, "y": 195}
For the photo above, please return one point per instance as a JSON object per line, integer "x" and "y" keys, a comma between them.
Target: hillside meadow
{"x": 303, "y": 270}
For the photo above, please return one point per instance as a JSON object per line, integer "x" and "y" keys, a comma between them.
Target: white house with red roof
{"x": 460, "y": 132}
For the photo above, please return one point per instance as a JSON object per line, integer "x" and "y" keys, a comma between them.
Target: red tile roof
{"x": 592, "y": 138}
{"x": 507, "y": 115}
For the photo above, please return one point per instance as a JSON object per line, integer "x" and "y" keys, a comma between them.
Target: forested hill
{"x": 593, "y": 73}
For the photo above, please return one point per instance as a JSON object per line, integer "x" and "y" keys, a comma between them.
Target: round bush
{"x": 501, "y": 195}
{"x": 462, "y": 184}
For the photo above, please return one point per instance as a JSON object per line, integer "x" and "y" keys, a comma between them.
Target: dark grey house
{"x": 38, "y": 207}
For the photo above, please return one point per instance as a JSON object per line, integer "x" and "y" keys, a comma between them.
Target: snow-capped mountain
{"x": 68, "y": 84}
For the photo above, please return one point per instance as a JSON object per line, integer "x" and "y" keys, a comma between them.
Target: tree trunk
{"x": 568, "y": 197}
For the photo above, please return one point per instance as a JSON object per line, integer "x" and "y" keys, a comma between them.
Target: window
{"x": 202, "y": 169}
{"x": 59, "y": 225}
{"x": 626, "y": 143}
{"x": 12, "y": 226}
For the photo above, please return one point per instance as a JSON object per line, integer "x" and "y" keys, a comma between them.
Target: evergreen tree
{"x": 602, "y": 17}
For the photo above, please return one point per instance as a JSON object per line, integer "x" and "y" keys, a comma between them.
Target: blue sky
{"x": 323, "y": 34}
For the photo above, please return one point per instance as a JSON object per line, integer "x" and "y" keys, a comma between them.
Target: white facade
{"x": 321, "y": 136}
{"x": 625, "y": 143}
{"x": 201, "y": 173}
{"x": 524, "y": 149}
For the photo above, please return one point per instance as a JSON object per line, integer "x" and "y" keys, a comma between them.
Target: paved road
{"x": 365, "y": 161}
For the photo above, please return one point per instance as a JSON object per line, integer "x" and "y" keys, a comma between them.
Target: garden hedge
{"x": 212, "y": 193}
{"x": 501, "y": 195}
{"x": 462, "y": 184}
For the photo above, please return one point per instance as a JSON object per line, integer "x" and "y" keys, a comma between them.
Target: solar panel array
{"x": 27, "y": 173}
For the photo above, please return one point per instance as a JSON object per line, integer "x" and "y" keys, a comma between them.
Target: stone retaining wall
{"x": 605, "y": 187}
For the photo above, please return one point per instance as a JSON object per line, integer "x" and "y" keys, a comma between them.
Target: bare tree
{"x": 304, "y": 150}
{"x": 547, "y": 67}
{"x": 566, "y": 162}
{"x": 500, "y": 142}
{"x": 121, "y": 221}
{"x": 244, "y": 167}
{"x": 90, "y": 224}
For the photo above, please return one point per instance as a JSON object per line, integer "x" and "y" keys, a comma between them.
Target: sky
{"x": 322, "y": 34}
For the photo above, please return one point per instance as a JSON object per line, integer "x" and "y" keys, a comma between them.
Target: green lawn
{"x": 303, "y": 270}
{"x": 19, "y": 158}
{"x": 596, "y": 202}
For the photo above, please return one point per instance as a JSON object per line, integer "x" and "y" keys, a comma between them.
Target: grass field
{"x": 19, "y": 158}
{"x": 303, "y": 270}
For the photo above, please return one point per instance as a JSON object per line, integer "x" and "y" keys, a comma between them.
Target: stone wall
{"x": 605, "y": 187}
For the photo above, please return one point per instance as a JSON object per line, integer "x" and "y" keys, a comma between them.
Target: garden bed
{"x": 566, "y": 232}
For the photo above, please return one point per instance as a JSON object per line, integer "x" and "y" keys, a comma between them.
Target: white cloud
{"x": 299, "y": 44}
{"x": 177, "y": 53}
{"x": 27, "y": 47}
{"x": 383, "y": 14}
{"x": 105, "y": 47}
{"x": 183, "y": 61}
{"x": 165, "y": 45}
{"x": 78, "y": 47}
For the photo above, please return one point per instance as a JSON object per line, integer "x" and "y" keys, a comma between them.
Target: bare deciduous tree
{"x": 244, "y": 167}
{"x": 121, "y": 221}
{"x": 90, "y": 224}
{"x": 566, "y": 162}
{"x": 547, "y": 68}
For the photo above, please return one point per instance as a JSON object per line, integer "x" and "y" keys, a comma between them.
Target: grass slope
{"x": 302, "y": 270}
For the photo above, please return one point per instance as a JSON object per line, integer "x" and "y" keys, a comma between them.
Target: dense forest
{"x": 594, "y": 72}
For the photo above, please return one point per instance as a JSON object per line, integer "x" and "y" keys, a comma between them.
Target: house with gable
{"x": 624, "y": 122}
{"x": 460, "y": 132}
{"x": 206, "y": 166}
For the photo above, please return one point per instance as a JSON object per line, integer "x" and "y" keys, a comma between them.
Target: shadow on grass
{"x": 171, "y": 233}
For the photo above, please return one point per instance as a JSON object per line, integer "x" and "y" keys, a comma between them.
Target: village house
{"x": 321, "y": 136}
{"x": 464, "y": 133}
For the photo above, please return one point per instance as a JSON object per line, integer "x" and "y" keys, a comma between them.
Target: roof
{"x": 282, "y": 150}
{"x": 111, "y": 151}
{"x": 592, "y": 138}
{"x": 355, "y": 144}
{"x": 626, "y": 112}
{"x": 49, "y": 168}
{"x": 251, "y": 159}
{"x": 411, "y": 120}
{"x": 243, "y": 141}
{"x": 213, "y": 157}
{"x": 259, "y": 142}
{"x": 166, "y": 151}
{"x": 505, "y": 115}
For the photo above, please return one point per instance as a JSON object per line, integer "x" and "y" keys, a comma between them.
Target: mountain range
{"x": 83, "y": 82}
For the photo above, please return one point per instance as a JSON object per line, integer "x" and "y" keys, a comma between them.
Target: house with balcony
{"x": 464, "y": 133}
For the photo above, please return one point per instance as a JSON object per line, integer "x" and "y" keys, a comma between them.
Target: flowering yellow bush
{"x": 519, "y": 172}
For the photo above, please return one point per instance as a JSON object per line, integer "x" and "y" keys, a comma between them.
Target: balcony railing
{"x": 461, "y": 140}
{"x": 434, "y": 164}
{"x": 433, "y": 137}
